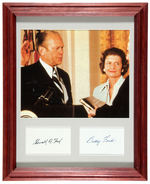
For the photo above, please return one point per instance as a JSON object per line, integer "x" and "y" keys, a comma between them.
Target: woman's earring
{"x": 122, "y": 70}
{"x": 104, "y": 70}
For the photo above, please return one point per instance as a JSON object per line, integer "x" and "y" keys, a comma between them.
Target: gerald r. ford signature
{"x": 47, "y": 141}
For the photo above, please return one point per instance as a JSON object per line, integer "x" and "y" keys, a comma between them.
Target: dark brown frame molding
{"x": 140, "y": 13}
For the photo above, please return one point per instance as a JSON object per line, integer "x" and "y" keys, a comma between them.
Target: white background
{"x": 1, "y": 99}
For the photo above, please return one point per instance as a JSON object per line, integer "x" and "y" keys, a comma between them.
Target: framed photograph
{"x": 75, "y": 91}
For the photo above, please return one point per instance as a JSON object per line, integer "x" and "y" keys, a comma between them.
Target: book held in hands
{"x": 91, "y": 102}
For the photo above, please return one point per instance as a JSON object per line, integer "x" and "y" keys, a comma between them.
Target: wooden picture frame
{"x": 140, "y": 13}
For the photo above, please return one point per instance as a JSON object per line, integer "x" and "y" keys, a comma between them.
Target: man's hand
{"x": 25, "y": 53}
{"x": 91, "y": 112}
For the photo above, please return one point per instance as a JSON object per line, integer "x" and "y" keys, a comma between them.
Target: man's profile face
{"x": 53, "y": 54}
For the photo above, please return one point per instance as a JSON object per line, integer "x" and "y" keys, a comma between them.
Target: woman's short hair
{"x": 118, "y": 52}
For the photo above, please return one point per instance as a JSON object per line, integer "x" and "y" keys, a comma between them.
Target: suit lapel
{"x": 43, "y": 75}
{"x": 45, "y": 80}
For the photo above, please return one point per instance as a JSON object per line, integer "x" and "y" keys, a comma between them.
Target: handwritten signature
{"x": 48, "y": 141}
{"x": 106, "y": 139}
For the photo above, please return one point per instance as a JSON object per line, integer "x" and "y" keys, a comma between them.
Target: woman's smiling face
{"x": 113, "y": 66}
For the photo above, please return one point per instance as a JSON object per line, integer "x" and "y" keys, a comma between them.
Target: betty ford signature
{"x": 106, "y": 139}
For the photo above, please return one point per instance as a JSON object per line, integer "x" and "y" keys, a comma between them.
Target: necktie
{"x": 57, "y": 82}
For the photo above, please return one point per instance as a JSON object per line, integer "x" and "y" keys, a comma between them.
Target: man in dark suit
{"x": 45, "y": 88}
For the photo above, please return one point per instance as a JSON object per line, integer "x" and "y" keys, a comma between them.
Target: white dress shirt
{"x": 102, "y": 92}
{"x": 47, "y": 67}
{"x": 49, "y": 71}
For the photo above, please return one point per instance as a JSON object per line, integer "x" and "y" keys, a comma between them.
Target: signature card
{"x": 102, "y": 140}
{"x": 49, "y": 140}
